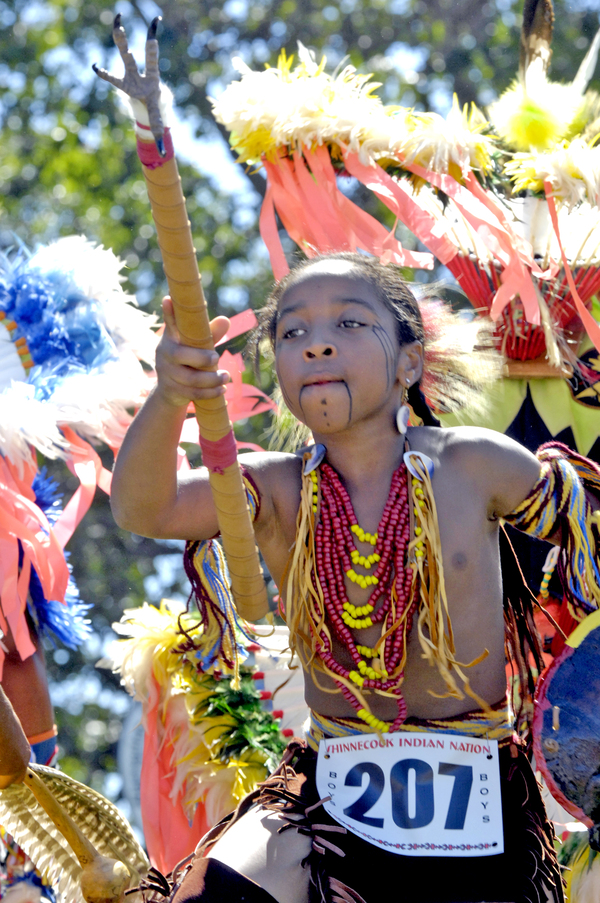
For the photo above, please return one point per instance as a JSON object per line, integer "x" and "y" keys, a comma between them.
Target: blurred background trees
{"x": 68, "y": 164}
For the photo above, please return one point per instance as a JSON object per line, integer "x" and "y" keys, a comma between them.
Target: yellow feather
{"x": 535, "y": 119}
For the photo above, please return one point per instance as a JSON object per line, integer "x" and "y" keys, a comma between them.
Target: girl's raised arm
{"x": 147, "y": 496}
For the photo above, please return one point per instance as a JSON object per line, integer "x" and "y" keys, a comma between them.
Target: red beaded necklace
{"x": 391, "y": 602}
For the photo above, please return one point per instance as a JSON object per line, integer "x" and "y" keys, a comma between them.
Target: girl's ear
{"x": 410, "y": 364}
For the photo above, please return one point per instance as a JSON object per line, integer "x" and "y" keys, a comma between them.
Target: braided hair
{"x": 418, "y": 403}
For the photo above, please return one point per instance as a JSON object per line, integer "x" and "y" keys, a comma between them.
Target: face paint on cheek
{"x": 349, "y": 402}
{"x": 388, "y": 351}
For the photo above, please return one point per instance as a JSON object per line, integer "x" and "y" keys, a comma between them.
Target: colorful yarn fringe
{"x": 19, "y": 880}
{"x": 434, "y": 625}
{"x": 559, "y": 501}
{"x": 206, "y": 569}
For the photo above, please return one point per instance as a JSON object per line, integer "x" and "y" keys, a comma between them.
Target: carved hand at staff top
{"x": 146, "y": 87}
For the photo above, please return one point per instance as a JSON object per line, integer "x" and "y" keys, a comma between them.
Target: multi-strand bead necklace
{"x": 391, "y": 601}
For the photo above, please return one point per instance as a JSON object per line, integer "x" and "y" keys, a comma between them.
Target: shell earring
{"x": 403, "y": 413}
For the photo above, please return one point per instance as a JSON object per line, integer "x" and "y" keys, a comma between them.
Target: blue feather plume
{"x": 60, "y": 324}
{"x": 52, "y": 619}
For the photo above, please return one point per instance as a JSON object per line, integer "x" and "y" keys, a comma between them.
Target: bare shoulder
{"x": 505, "y": 470}
{"x": 278, "y": 478}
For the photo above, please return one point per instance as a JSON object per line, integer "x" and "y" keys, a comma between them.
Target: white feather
{"x": 26, "y": 423}
{"x": 11, "y": 367}
{"x": 95, "y": 270}
{"x": 588, "y": 65}
{"x": 138, "y": 111}
{"x": 98, "y": 404}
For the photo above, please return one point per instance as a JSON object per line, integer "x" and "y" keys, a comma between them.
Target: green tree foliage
{"x": 68, "y": 164}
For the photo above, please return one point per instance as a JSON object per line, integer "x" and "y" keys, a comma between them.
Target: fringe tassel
{"x": 434, "y": 624}
{"x": 559, "y": 501}
{"x": 217, "y": 644}
{"x": 214, "y": 639}
{"x": 521, "y": 639}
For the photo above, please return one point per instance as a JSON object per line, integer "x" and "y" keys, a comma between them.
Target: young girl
{"x": 370, "y": 536}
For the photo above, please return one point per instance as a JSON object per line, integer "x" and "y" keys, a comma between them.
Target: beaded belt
{"x": 497, "y": 725}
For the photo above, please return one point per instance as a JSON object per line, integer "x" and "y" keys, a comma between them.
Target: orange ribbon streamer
{"x": 319, "y": 218}
{"x": 397, "y": 196}
{"x": 23, "y": 522}
{"x": 592, "y": 328}
{"x": 168, "y": 834}
{"x": 86, "y": 465}
{"x": 491, "y": 225}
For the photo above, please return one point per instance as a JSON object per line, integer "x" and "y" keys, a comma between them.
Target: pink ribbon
{"x": 270, "y": 235}
{"x": 592, "y": 328}
{"x": 243, "y": 399}
{"x": 87, "y": 466}
{"x": 23, "y": 522}
{"x": 493, "y": 228}
{"x": 318, "y": 217}
{"x": 238, "y": 325}
{"x": 169, "y": 837}
{"x": 397, "y": 196}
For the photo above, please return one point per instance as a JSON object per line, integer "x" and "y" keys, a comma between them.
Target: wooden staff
{"x": 191, "y": 315}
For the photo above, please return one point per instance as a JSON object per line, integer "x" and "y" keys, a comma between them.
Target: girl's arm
{"x": 147, "y": 495}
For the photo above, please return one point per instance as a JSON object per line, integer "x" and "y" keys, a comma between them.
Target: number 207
{"x": 424, "y": 799}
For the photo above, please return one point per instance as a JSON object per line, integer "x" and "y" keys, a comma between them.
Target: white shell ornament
{"x": 402, "y": 419}
{"x": 424, "y": 459}
{"x": 317, "y": 455}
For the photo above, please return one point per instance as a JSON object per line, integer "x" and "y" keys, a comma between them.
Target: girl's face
{"x": 336, "y": 353}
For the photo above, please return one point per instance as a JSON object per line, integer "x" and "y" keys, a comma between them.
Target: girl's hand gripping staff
{"x": 155, "y": 150}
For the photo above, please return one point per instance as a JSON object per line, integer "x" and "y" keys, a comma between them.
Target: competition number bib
{"x": 415, "y": 794}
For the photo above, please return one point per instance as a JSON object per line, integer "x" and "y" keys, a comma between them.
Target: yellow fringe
{"x": 434, "y": 625}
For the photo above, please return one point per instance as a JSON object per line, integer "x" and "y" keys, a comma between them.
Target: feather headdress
{"x": 71, "y": 346}
{"x": 71, "y": 342}
{"x": 445, "y": 179}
